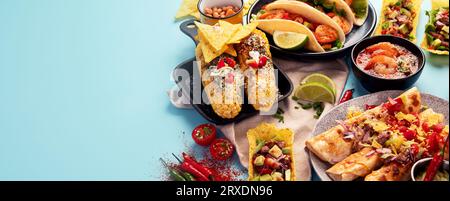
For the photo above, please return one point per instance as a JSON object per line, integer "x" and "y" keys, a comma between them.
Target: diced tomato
{"x": 402, "y": 129}
{"x": 433, "y": 144}
{"x": 391, "y": 120}
{"x": 409, "y": 134}
{"x": 394, "y": 105}
{"x": 331, "y": 14}
{"x": 438, "y": 128}
{"x": 415, "y": 149}
{"x": 221, "y": 64}
{"x": 417, "y": 122}
{"x": 286, "y": 16}
{"x": 230, "y": 62}
{"x": 403, "y": 123}
{"x": 426, "y": 127}
{"x": 262, "y": 61}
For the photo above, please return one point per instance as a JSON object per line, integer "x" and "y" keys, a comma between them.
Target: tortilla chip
{"x": 209, "y": 53}
{"x": 218, "y": 35}
{"x": 231, "y": 51}
{"x": 435, "y": 4}
{"x": 243, "y": 32}
{"x": 187, "y": 8}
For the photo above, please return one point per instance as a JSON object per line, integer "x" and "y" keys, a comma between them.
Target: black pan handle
{"x": 188, "y": 27}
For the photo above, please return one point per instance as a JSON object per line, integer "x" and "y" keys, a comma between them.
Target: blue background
{"x": 83, "y": 88}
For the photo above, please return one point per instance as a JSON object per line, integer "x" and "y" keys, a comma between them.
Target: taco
{"x": 399, "y": 18}
{"x": 255, "y": 60}
{"x": 323, "y": 33}
{"x": 337, "y": 10}
{"x": 436, "y": 39}
{"x": 360, "y": 9}
{"x": 271, "y": 154}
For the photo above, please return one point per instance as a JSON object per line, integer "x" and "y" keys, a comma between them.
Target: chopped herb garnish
{"x": 279, "y": 115}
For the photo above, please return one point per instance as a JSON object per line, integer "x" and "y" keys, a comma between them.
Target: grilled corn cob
{"x": 255, "y": 60}
{"x": 222, "y": 84}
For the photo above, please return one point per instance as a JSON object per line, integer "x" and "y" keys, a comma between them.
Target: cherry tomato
{"x": 204, "y": 134}
{"x": 221, "y": 149}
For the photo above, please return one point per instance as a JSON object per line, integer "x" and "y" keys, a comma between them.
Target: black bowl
{"x": 374, "y": 84}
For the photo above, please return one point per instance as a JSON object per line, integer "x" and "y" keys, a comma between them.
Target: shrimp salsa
{"x": 327, "y": 36}
{"x": 387, "y": 60}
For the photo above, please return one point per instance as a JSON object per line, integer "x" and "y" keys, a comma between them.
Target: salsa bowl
{"x": 374, "y": 83}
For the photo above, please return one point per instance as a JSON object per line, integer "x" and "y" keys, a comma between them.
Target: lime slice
{"x": 322, "y": 79}
{"x": 290, "y": 40}
{"x": 315, "y": 92}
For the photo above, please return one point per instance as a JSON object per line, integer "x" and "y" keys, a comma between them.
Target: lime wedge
{"x": 315, "y": 92}
{"x": 321, "y": 79}
{"x": 290, "y": 40}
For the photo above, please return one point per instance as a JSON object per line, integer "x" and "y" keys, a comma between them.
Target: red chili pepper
{"x": 348, "y": 95}
{"x": 435, "y": 163}
{"x": 192, "y": 170}
{"x": 204, "y": 170}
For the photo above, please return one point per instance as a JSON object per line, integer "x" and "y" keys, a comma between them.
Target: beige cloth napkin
{"x": 300, "y": 121}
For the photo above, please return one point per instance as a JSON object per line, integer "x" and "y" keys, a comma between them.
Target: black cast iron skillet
{"x": 285, "y": 86}
{"x": 355, "y": 36}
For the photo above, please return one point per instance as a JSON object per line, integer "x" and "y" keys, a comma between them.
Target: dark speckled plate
{"x": 339, "y": 112}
